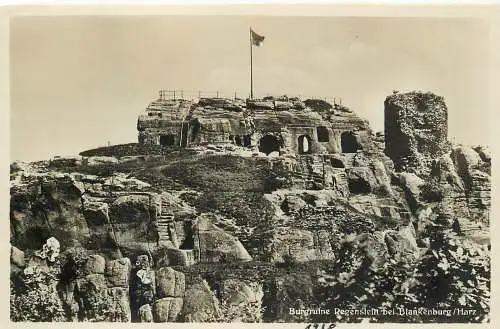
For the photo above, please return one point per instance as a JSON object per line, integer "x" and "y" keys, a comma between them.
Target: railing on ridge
{"x": 194, "y": 95}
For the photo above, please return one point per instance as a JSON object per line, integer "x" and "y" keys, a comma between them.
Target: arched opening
{"x": 268, "y": 144}
{"x": 322, "y": 133}
{"x": 304, "y": 144}
{"x": 247, "y": 141}
{"x": 337, "y": 163}
{"x": 167, "y": 140}
{"x": 349, "y": 142}
{"x": 237, "y": 140}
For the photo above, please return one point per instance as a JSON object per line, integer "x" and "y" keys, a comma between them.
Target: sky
{"x": 79, "y": 82}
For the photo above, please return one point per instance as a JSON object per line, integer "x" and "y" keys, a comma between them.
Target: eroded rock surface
{"x": 239, "y": 223}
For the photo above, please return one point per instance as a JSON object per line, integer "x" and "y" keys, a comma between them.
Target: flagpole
{"x": 251, "y": 65}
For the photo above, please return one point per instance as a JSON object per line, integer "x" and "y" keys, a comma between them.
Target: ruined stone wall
{"x": 221, "y": 121}
{"x": 416, "y": 129}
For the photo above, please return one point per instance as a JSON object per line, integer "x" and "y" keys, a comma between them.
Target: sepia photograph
{"x": 251, "y": 167}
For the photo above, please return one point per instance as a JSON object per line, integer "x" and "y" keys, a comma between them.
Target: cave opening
{"x": 247, "y": 141}
{"x": 167, "y": 140}
{"x": 349, "y": 143}
{"x": 304, "y": 144}
{"x": 188, "y": 242}
{"x": 195, "y": 128}
{"x": 359, "y": 186}
{"x": 337, "y": 163}
{"x": 36, "y": 237}
{"x": 237, "y": 140}
{"x": 322, "y": 133}
{"x": 269, "y": 144}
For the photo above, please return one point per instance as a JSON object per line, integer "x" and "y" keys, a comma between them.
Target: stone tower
{"x": 416, "y": 130}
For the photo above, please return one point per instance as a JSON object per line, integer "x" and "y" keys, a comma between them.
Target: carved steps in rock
{"x": 165, "y": 228}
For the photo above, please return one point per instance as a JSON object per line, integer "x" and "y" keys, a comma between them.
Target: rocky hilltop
{"x": 229, "y": 210}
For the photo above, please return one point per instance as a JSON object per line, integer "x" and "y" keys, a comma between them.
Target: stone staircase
{"x": 165, "y": 225}
{"x": 168, "y": 236}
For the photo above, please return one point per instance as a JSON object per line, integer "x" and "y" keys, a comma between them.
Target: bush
{"x": 33, "y": 297}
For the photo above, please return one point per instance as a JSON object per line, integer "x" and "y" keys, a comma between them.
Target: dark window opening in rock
{"x": 167, "y": 140}
{"x": 323, "y": 135}
{"x": 231, "y": 138}
{"x": 337, "y": 163}
{"x": 349, "y": 143}
{"x": 247, "y": 141}
{"x": 150, "y": 114}
{"x": 238, "y": 141}
{"x": 185, "y": 132}
{"x": 188, "y": 242}
{"x": 359, "y": 186}
{"x": 304, "y": 144}
{"x": 268, "y": 144}
{"x": 195, "y": 129}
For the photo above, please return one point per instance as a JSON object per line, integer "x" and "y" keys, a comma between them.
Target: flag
{"x": 257, "y": 40}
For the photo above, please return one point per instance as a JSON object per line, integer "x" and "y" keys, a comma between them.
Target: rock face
{"x": 416, "y": 130}
{"x": 242, "y": 229}
{"x": 48, "y": 205}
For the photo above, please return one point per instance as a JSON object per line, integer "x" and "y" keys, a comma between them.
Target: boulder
{"x": 118, "y": 272}
{"x": 200, "y": 304}
{"x": 145, "y": 313}
{"x": 95, "y": 264}
{"x": 213, "y": 244}
{"x": 170, "y": 283}
{"x": 17, "y": 257}
{"x": 167, "y": 309}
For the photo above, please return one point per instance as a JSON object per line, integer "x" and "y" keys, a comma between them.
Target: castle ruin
{"x": 272, "y": 124}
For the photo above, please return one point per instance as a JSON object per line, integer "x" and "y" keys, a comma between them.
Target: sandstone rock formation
{"x": 237, "y": 217}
